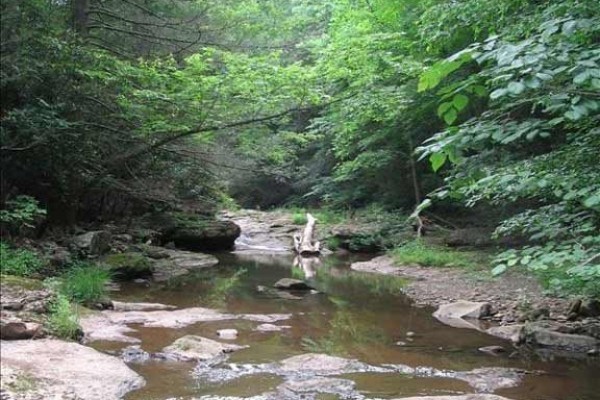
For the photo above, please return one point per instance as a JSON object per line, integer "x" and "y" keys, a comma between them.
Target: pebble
{"x": 227, "y": 334}
{"x": 410, "y": 334}
{"x": 493, "y": 350}
{"x": 593, "y": 352}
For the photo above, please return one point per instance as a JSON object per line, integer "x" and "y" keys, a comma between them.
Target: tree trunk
{"x": 303, "y": 242}
{"x": 80, "y": 16}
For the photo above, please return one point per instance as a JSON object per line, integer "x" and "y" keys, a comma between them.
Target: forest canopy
{"x": 116, "y": 107}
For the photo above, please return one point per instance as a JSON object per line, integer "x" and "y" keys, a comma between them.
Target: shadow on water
{"x": 352, "y": 315}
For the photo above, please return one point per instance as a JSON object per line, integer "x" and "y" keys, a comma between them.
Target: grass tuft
{"x": 417, "y": 252}
{"x": 63, "y": 320}
{"x": 85, "y": 283}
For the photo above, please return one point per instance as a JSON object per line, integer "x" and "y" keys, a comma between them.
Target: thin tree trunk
{"x": 413, "y": 170}
{"x": 80, "y": 16}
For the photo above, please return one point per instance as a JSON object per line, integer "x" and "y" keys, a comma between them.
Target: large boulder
{"x": 169, "y": 264}
{"x": 357, "y": 238}
{"x": 130, "y": 265}
{"x": 64, "y": 370}
{"x": 94, "y": 242}
{"x": 196, "y": 232}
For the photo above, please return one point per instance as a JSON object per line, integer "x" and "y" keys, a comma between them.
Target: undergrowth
{"x": 63, "y": 319}
{"x": 84, "y": 283}
{"x": 418, "y": 252}
{"x": 19, "y": 262}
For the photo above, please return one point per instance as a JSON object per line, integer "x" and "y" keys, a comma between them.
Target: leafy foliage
{"x": 19, "y": 262}
{"x": 535, "y": 140}
{"x": 63, "y": 320}
{"x": 417, "y": 252}
{"x": 22, "y": 211}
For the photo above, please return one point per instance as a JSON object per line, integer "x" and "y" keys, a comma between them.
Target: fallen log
{"x": 304, "y": 243}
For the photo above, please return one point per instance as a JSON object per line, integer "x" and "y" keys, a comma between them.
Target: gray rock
{"x": 179, "y": 262}
{"x": 134, "y": 354}
{"x": 320, "y": 364}
{"x": 112, "y": 325}
{"x": 291, "y": 284}
{"x": 195, "y": 232}
{"x": 464, "y": 309}
{"x": 276, "y": 293}
{"x": 514, "y": 333}
{"x": 19, "y": 330}
{"x": 545, "y": 337}
{"x": 123, "y": 238}
{"x": 122, "y": 306}
{"x": 271, "y": 328}
{"x": 198, "y": 348}
{"x": 301, "y": 388}
{"x": 66, "y": 370}
{"x": 488, "y": 380}
{"x": 478, "y": 396}
{"x": 60, "y": 257}
{"x": 590, "y": 308}
{"x": 492, "y": 350}
{"x": 94, "y": 242}
{"x": 227, "y": 334}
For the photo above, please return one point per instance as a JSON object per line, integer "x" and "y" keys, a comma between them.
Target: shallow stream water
{"x": 353, "y": 316}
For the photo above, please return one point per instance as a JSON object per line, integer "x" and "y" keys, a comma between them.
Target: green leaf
{"x": 460, "y": 101}
{"x": 498, "y": 93}
{"x": 516, "y": 87}
{"x": 443, "y": 108}
{"x": 437, "y": 160}
{"x": 499, "y": 269}
{"x": 450, "y": 116}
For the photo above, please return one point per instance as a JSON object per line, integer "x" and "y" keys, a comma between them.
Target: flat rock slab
{"x": 111, "y": 325}
{"x": 56, "y": 370}
{"x": 98, "y": 327}
{"x": 541, "y": 336}
{"x": 321, "y": 364}
{"x": 514, "y": 333}
{"x": 122, "y": 306}
{"x": 463, "y": 309}
{"x": 169, "y": 264}
{"x": 291, "y": 284}
{"x": 271, "y": 328}
{"x": 198, "y": 348}
{"x": 478, "y": 396}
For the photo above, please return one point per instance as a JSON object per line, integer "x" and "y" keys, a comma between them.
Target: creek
{"x": 351, "y": 315}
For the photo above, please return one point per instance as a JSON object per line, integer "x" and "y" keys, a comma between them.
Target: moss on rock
{"x": 128, "y": 265}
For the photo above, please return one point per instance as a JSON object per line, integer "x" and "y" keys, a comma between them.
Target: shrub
{"x": 85, "y": 283}
{"x": 417, "y": 252}
{"x": 63, "y": 320}
{"x": 21, "y": 212}
{"x": 19, "y": 262}
{"x": 299, "y": 218}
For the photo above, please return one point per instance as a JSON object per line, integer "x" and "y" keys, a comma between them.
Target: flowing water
{"x": 353, "y": 316}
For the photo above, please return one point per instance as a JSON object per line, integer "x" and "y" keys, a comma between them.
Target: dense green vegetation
{"x": 113, "y": 108}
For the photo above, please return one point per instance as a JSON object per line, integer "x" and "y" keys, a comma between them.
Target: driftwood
{"x": 304, "y": 243}
{"x": 308, "y": 265}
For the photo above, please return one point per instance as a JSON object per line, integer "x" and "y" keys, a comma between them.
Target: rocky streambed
{"x": 239, "y": 326}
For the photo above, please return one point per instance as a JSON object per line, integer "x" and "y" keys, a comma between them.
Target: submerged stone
{"x": 198, "y": 348}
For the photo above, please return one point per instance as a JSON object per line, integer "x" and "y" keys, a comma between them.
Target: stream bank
{"x": 354, "y": 337}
